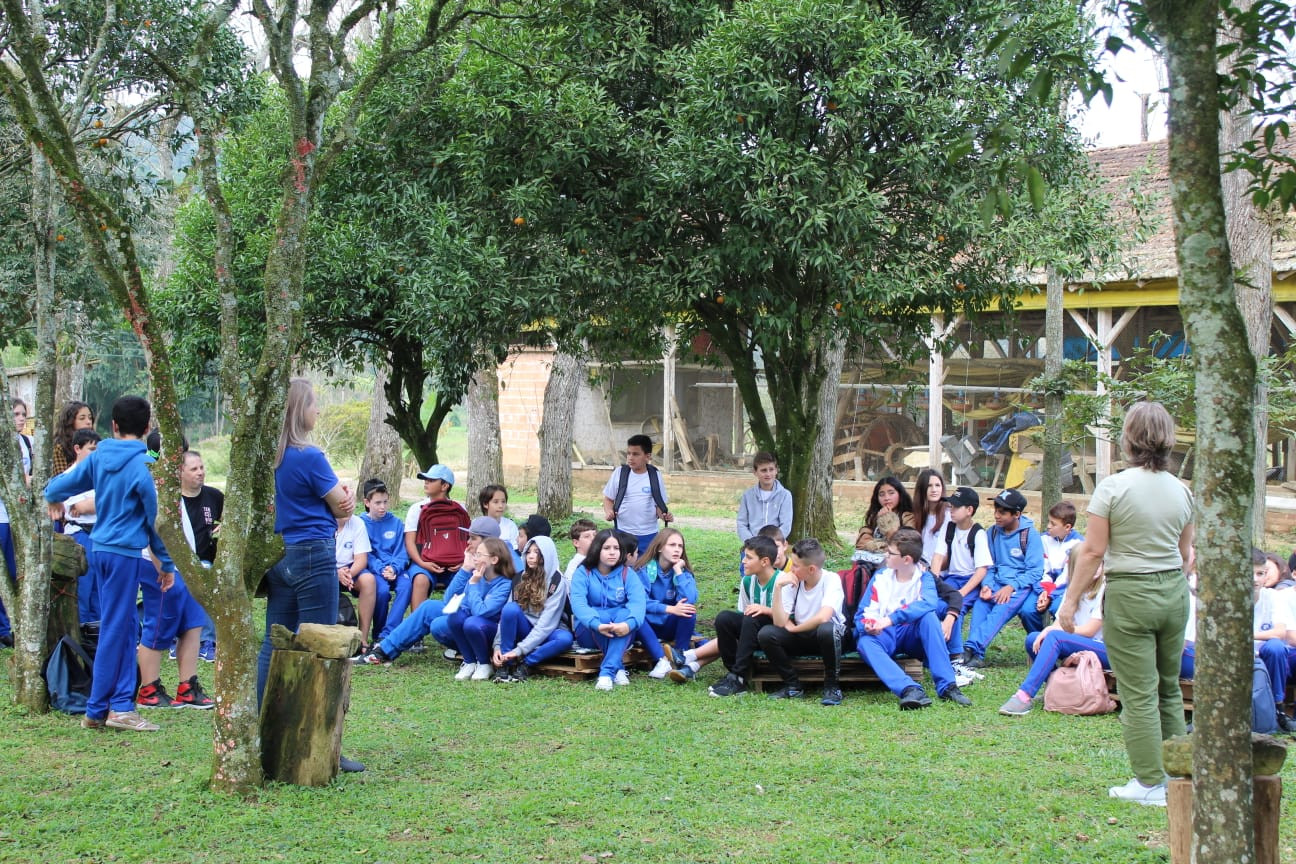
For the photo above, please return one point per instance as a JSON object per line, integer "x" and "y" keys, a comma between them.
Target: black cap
{"x": 964, "y": 496}
{"x": 1010, "y": 499}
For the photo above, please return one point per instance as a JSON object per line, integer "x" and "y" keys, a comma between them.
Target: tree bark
{"x": 1250, "y": 241}
{"x": 1051, "y": 486}
{"x": 485, "y": 454}
{"x": 554, "y": 486}
{"x": 382, "y": 457}
{"x": 1224, "y": 367}
{"x": 818, "y": 499}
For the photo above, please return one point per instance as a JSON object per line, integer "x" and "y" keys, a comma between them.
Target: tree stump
{"x": 1267, "y": 790}
{"x": 305, "y": 701}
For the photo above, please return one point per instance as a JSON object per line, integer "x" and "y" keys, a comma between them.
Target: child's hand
{"x": 947, "y": 626}
{"x": 1042, "y": 602}
{"x": 1003, "y": 595}
{"x": 166, "y": 579}
{"x": 986, "y": 593}
{"x": 754, "y": 610}
{"x": 389, "y": 573}
{"x": 683, "y": 609}
{"x": 344, "y": 577}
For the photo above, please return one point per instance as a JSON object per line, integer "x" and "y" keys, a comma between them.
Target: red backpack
{"x": 853, "y": 579}
{"x": 438, "y": 536}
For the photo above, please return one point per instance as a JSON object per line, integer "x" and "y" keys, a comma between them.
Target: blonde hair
{"x": 1147, "y": 436}
{"x": 301, "y": 396}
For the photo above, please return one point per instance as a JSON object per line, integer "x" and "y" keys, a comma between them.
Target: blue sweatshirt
{"x": 882, "y": 598}
{"x": 387, "y": 539}
{"x": 665, "y": 589}
{"x": 593, "y": 593}
{"x": 125, "y": 498}
{"x": 1013, "y": 566}
{"x": 486, "y": 598}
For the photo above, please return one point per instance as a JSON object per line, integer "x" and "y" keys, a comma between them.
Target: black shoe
{"x": 729, "y": 685}
{"x": 349, "y": 766}
{"x": 7, "y": 640}
{"x": 954, "y": 694}
{"x": 788, "y": 691}
{"x": 520, "y": 673}
{"x": 504, "y": 674}
{"x": 1285, "y": 723}
{"x": 913, "y": 698}
{"x": 831, "y": 696}
{"x": 972, "y": 661}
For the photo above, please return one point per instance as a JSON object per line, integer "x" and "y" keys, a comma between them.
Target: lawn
{"x": 555, "y": 771}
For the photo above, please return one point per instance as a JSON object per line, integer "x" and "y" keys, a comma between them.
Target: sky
{"x": 1131, "y": 73}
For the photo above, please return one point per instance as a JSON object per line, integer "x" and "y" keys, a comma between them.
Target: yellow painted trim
{"x": 1163, "y": 292}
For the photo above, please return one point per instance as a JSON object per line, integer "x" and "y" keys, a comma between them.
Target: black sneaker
{"x": 729, "y": 685}
{"x": 913, "y": 698}
{"x": 189, "y": 694}
{"x": 954, "y": 694}
{"x": 376, "y": 657}
{"x": 972, "y": 661}
{"x": 1285, "y": 723}
{"x": 831, "y": 696}
{"x": 520, "y": 673}
{"x": 153, "y": 696}
{"x": 788, "y": 691}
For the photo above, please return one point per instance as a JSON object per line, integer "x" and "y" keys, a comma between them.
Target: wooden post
{"x": 305, "y": 701}
{"x": 1267, "y": 790}
{"x": 68, "y": 563}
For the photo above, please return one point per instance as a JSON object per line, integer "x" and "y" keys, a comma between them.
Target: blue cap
{"x": 438, "y": 472}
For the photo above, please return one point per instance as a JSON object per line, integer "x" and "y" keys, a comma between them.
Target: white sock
{"x": 694, "y": 665}
{"x": 690, "y": 657}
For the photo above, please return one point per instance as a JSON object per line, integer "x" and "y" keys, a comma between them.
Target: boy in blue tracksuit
{"x": 126, "y": 501}
{"x": 899, "y": 615}
{"x": 1018, "y": 563}
{"x": 1058, "y": 541}
{"x": 388, "y": 560}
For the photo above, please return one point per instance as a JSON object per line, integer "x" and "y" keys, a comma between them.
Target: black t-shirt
{"x": 205, "y": 511}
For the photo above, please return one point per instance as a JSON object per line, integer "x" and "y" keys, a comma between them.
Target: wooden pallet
{"x": 811, "y": 670}
{"x": 582, "y": 667}
{"x": 1185, "y": 685}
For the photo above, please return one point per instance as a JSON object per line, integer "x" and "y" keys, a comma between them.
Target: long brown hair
{"x": 498, "y": 549}
{"x": 655, "y": 547}
{"x": 531, "y": 588}
{"x": 924, "y": 508}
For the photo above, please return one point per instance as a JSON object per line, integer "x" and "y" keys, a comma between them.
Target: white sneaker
{"x": 603, "y": 683}
{"x": 483, "y": 673}
{"x": 1151, "y": 796}
{"x": 659, "y": 671}
{"x": 622, "y": 679}
{"x": 466, "y": 671}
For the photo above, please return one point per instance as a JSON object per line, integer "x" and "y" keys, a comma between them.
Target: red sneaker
{"x": 190, "y": 695}
{"x": 153, "y": 696}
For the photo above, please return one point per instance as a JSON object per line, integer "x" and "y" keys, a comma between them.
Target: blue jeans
{"x": 989, "y": 617}
{"x": 922, "y": 639}
{"x": 1057, "y": 645}
{"x": 1273, "y": 654}
{"x": 301, "y": 588}
{"x": 514, "y": 626}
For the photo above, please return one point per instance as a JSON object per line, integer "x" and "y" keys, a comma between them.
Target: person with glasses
{"x": 900, "y": 617}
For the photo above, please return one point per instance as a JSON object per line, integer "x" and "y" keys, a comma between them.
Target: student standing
{"x": 634, "y": 498}
{"x": 766, "y": 503}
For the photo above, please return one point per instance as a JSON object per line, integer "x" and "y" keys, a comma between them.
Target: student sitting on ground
{"x": 473, "y": 624}
{"x": 534, "y": 526}
{"x": 1018, "y": 562}
{"x": 766, "y": 503}
{"x": 493, "y": 501}
{"x": 608, "y": 604}
{"x": 962, "y": 558}
{"x": 388, "y": 560}
{"x": 1047, "y": 647}
{"x": 530, "y": 626}
{"x": 931, "y": 511}
{"x": 351, "y": 546}
{"x": 899, "y": 616}
{"x": 581, "y": 535}
{"x": 671, "y": 601}
{"x": 808, "y": 620}
{"x": 1058, "y": 541}
{"x": 737, "y": 632}
{"x": 429, "y": 617}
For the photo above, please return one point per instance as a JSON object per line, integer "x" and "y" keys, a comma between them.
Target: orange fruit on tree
{"x": 519, "y": 221}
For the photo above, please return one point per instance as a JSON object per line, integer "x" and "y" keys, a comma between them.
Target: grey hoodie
{"x": 551, "y": 614}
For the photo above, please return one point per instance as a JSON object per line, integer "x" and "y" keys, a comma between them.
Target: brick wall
{"x": 523, "y": 376}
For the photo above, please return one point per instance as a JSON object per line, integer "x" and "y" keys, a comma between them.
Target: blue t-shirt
{"x": 301, "y": 481}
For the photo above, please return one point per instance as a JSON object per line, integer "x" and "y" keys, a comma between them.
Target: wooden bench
{"x": 811, "y": 670}
{"x": 1185, "y": 685}
{"x": 582, "y": 666}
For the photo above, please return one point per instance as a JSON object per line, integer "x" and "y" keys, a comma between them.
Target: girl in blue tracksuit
{"x": 388, "y": 560}
{"x": 530, "y": 629}
{"x": 473, "y": 624}
{"x": 671, "y": 608}
{"x": 608, "y": 604}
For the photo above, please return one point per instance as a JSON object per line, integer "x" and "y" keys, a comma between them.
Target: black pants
{"x": 780, "y": 646}
{"x": 737, "y": 634}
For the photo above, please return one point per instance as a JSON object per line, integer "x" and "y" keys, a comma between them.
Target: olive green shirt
{"x": 1147, "y": 511}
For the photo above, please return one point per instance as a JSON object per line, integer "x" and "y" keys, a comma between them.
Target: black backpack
{"x": 971, "y": 541}
{"x": 654, "y": 487}
{"x": 68, "y": 673}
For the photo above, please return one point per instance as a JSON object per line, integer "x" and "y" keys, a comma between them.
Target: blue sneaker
{"x": 207, "y": 652}
{"x": 171, "y": 653}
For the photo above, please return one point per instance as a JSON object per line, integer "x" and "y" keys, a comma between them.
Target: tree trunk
{"x": 382, "y": 457}
{"x": 485, "y": 455}
{"x": 554, "y": 486}
{"x": 1250, "y": 241}
{"x": 1051, "y": 487}
{"x": 817, "y": 503}
{"x": 1224, "y": 367}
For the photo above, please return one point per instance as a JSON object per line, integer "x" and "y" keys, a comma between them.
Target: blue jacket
{"x": 665, "y": 589}
{"x": 1013, "y": 566}
{"x": 458, "y": 584}
{"x": 928, "y": 600}
{"x": 387, "y": 537}
{"x": 593, "y": 594}
{"x": 486, "y": 598}
{"x": 125, "y": 498}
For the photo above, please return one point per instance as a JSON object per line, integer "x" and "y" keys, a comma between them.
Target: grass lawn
{"x": 555, "y": 771}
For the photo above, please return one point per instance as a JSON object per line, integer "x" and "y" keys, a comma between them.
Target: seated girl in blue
{"x": 534, "y": 615}
{"x": 473, "y": 624}
{"x": 608, "y": 604}
{"x": 671, "y": 609}
{"x": 1047, "y": 647}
